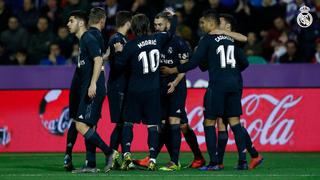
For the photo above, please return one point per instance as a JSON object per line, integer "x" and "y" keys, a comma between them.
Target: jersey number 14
{"x": 226, "y": 58}
{"x": 152, "y": 58}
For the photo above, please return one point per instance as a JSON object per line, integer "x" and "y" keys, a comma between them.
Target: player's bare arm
{"x": 106, "y": 55}
{"x": 174, "y": 83}
{"x": 167, "y": 71}
{"x": 96, "y": 72}
{"x": 234, "y": 35}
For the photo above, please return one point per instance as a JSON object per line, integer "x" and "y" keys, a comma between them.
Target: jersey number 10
{"x": 226, "y": 58}
{"x": 153, "y": 59}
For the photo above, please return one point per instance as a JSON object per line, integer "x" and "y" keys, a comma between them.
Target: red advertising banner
{"x": 277, "y": 119}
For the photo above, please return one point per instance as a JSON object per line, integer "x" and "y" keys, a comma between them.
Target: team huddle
{"x": 147, "y": 84}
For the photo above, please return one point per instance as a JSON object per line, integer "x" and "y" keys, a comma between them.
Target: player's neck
{"x": 96, "y": 26}
{"x": 122, "y": 30}
{"x": 80, "y": 32}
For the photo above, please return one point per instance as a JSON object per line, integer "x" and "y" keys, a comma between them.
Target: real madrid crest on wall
{"x": 304, "y": 18}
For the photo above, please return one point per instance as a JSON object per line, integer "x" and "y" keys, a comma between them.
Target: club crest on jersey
{"x": 170, "y": 50}
{"x": 304, "y": 18}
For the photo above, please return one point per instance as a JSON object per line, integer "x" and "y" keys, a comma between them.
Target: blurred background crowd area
{"x": 34, "y": 32}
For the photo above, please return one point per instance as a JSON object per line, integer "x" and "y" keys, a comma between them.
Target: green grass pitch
{"x": 49, "y": 166}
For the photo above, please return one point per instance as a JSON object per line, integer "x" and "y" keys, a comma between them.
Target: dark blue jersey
{"x": 142, "y": 57}
{"x": 90, "y": 47}
{"x": 97, "y": 34}
{"x": 225, "y": 61}
{"x": 173, "y": 54}
{"x": 117, "y": 81}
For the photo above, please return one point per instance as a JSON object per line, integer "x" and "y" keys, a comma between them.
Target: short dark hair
{"x": 140, "y": 24}
{"x": 211, "y": 14}
{"x": 78, "y": 14}
{"x": 96, "y": 14}
{"x": 122, "y": 17}
{"x": 230, "y": 19}
{"x": 164, "y": 15}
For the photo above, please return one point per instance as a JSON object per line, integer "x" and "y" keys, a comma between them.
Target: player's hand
{"x": 170, "y": 11}
{"x": 172, "y": 85}
{"x": 92, "y": 90}
{"x": 118, "y": 47}
{"x": 105, "y": 57}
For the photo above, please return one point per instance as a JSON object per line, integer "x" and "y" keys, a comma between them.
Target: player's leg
{"x": 153, "y": 141}
{"x": 88, "y": 115}
{"x": 211, "y": 142}
{"x": 152, "y": 118}
{"x": 256, "y": 158}
{"x": 90, "y": 165}
{"x": 71, "y": 139}
{"x": 132, "y": 114}
{"x": 175, "y": 139}
{"x": 240, "y": 142}
{"x": 174, "y": 145}
{"x": 189, "y": 134}
{"x": 115, "y": 100}
{"x": 176, "y": 107}
{"x": 163, "y": 127}
{"x": 163, "y": 139}
{"x": 74, "y": 100}
{"x": 213, "y": 108}
{"x": 90, "y": 154}
{"x": 222, "y": 141}
{"x": 116, "y": 136}
{"x": 192, "y": 142}
{"x": 127, "y": 134}
{"x": 233, "y": 112}
{"x": 93, "y": 137}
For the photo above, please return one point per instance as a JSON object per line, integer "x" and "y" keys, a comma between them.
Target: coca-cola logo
{"x": 58, "y": 122}
{"x": 268, "y": 127}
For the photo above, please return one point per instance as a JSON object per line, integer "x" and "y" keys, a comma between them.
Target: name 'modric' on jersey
{"x": 147, "y": 42}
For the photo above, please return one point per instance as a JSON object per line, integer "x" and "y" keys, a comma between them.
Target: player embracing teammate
{"x": 138, "y": 93}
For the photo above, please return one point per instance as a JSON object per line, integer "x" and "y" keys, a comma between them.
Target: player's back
{"x": 116, "y": 81}
{"x": 97, "y": 34}
{"x": 144, "y": 63}
{"x": 225, "y": 63}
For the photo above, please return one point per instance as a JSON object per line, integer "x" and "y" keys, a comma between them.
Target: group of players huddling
{"x": 147, "y": 84}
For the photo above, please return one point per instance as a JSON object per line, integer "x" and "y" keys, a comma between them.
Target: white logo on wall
{"x": 276, "y": 129}
{"x": 304, "y": 18}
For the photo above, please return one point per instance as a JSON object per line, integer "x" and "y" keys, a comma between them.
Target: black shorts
{"x": 116, "y": 103}
{"x": 173, "y": 105}
{"x": 89, "y": 111}
{"x": 83, "y": 108}
{"x": 184, "y": 118}
{"x": 143, "y": 107}
{"x": 219, "y": 103}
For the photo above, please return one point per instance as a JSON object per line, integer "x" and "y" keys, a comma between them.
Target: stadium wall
{"x": 280, "y": 109}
